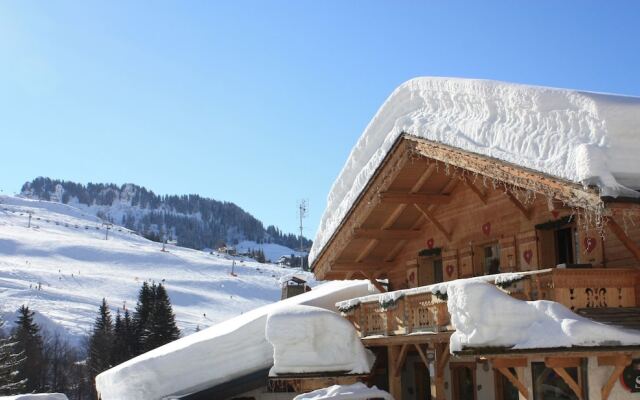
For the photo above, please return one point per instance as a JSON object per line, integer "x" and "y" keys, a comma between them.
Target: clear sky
{"x": 260, "y": 102}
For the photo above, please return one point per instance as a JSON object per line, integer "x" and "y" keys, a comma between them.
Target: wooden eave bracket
{"x": 524, "y": 210}
{"x": 476, "y": 190}
{"x": 397, "y": 367}
{"x": 522, "y": 388}
{"x": 422, "y": 354}
{"x": 620, "y": 362}
{"x": 409, "y": 198}
{"x": 430, "y": 217}
{"x": 374, "y": 282}
{"x": 559, "y": 365}
{"x": 622, "y": 236}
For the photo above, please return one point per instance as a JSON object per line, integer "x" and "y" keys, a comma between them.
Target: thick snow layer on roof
{"x": 587, "y": 138}
{"x": 225, "y": 351}
{"x": 310, "y": 339}
{"x": 484, "y": 316}
{"x": 36, "y": 396}
{"x": 357, "y": 391}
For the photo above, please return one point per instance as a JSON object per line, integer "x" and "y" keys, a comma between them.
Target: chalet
{"x": 455, "y": 179}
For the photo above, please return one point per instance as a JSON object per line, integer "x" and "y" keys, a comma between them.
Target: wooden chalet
{"x": 433, "y": 213}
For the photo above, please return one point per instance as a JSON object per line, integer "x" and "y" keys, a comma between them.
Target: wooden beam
{"x": 395, "y": 383}
{"x": 525, "y": 211}
{"x": 388, "y": 234}
{"x": 620, "y": 362}
{"x": 562, "y": 362}
{"x": 365, "y": 265}
{"x": 515, "y": 381}
{"x": 622, "y": 236}
{"x": 374, "y": 282}
{"x": 413, "y": 198}
{"x": 476, "y": 190}
{"x": 515, "y": 362}
{"x": 569, "y": 381}
{"x": 423, "y": 356}
{"x": 367, "y": 250}
{"x": 431, "y": 218}
{"x": 400, "y": 361}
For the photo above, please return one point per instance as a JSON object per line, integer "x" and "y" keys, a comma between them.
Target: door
{"x": 423, "y": 381}
{"x": 463, "y": 377}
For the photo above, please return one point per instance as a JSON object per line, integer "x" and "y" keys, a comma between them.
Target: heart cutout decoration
{"x": 430, "y": 243}
{"x": 590, "y": 244}
{"x": 528, "y": 255}
{"x": 486, "y": 228}
{"x": 555, "y": 213}
{"x": 449, "y": 270}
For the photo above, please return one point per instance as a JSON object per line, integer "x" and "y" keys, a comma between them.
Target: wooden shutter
{"x": 508, "y": 256}
{"x": 528, "y": 250}
{"x": 450, "y": 264}
{"x": 589, "y": 248}
{"x": 466, "y": 262}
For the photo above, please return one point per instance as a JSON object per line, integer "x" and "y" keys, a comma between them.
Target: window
{"x": 429, "y": 267}
{"x": 564, "y": 246}
{"x": 548, "y": 385}
{"x": 491, "y": 259}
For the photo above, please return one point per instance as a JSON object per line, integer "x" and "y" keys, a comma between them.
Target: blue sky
{"x": 260, "y": 102}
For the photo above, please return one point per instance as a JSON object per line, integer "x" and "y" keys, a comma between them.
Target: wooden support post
{"x": 430, "y": 217}
{"x": 442, "y": 358}
{"x": 395, "y": 381}
{"x": 622, "y": 236}
{"x": 620, "y": 362}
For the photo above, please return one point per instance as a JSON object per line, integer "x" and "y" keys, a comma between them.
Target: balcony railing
{"x": 411, "y": 311}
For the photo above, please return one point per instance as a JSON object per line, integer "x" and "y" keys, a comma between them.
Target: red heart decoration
{"x": 430, "y": 243}
{"x": 486, "y": 228}
{"x": 449, "y": 269}
{"x": 590, "y": 244}
{"x": 555, "y": 213}
{"x": 528, "y": 255}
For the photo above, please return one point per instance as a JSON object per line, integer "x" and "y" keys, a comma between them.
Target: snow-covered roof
{"x": 357, "y": 391}
{"x": 221, "y": 353}
{"x": 582, "y": 137}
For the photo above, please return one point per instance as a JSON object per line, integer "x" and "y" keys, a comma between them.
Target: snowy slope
{"x": 587, "y": 138}
{"x": 272, "y": 251}
{"x": 65, "y": 252}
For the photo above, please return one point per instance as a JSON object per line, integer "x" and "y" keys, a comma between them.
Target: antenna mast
{"x": 303, "y": 210}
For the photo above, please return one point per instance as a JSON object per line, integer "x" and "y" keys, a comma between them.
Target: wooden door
{"x": 450, "y": 264}
{"x": 422, "y": 381}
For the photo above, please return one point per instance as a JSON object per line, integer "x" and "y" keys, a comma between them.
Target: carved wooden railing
{"x": 587, "y": 288}
{"x": 574, "y": 288}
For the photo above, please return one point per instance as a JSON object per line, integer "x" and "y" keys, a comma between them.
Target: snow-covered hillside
{"x": 272, "y": 251}
{"x": 62, "y": 267}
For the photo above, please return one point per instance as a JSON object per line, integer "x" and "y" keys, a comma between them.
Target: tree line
{"x": 194, "y": 221}
{"x": 32, "y": 360}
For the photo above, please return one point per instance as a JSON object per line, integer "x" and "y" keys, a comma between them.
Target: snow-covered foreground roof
{"x": 36, "y": 396}
{"x": 225, "y": 351}
{"x": 357, "y": 391}
{"x": 484, "y": 316}
{"x": 310, "y": 339}
{"x": 583, "y": 137}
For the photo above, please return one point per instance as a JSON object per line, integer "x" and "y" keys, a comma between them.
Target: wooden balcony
{"x": 421, "y": 311}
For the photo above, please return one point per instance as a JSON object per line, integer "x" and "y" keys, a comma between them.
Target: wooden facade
{"x": 434, "y": 213}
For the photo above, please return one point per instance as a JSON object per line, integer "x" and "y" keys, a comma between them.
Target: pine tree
{"x": 11, "y": 361}
{"x": 29, "y": 342}
{"x": 124, "y": 338}
{"x": 141, "y": 318}
{"x": 162, "y": 322}
{"x": 101, "y": 342}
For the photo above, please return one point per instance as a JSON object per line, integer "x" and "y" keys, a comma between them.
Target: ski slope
{"x": 62, "y": 266}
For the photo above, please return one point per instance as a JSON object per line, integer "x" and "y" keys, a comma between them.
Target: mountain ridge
{"x": 192, "y": 220}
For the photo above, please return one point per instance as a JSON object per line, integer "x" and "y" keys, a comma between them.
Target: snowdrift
{"x": 583, "y": 137}
{"x": 309, "y": 339}
{"x": 484, "y": 316}
{"x": 357, "y": 391}
{"x": 36, "y": 396}
{"x": 215, "y": 355}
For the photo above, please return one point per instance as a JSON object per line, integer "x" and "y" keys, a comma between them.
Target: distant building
{"x": 293, "y": 287}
